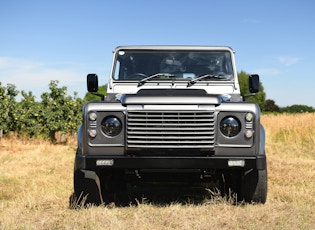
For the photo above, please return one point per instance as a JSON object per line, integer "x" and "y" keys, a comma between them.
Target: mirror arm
{"x": 100, "y": 95}
{"x": 248, "y": 95}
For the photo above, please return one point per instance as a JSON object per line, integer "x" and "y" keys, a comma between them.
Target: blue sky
{"x": 42, "y": 41}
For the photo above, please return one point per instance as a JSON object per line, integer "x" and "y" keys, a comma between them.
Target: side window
{"x": 228, "y": 63}
{"x": 117, "y": 70}
{"x": 122, "y": 65}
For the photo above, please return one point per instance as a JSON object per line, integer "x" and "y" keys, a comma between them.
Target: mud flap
{"x": 87, "y": 188}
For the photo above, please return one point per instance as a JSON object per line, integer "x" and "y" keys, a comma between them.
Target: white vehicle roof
{"x": 174, "y": 47}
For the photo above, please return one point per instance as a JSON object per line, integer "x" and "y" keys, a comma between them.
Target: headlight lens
{"x": 111, "y": 126}
{"x": 230, "y": 126}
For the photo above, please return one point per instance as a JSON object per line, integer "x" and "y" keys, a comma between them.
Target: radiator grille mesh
{"x": 170, "y": 129}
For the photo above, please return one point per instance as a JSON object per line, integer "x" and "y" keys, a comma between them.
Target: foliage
{"x": 28, "y": 117}
{"x": 57, "y": 112}
{"x": 92, "y": 97}
{"x": 60, "y": 113}
{"x": 259, "y": 98}
{"x": 271, "y": 106}
{"x": 298, "y": 109}
{"x": 7, "y": 107}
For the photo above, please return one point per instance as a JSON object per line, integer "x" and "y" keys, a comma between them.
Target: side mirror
{"x": 253, "y": 81}
{"x": 92, "y": 83}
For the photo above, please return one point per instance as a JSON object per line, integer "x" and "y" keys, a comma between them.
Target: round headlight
{"x": 230, "y": 126}
{"x": 111, "y": 126}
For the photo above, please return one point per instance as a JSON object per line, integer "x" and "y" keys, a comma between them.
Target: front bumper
{"x": 162, "y": 162}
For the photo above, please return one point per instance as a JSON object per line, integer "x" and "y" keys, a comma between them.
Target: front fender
{"x": 79, "y": 162}
{"x": 262, "y": 140}
{"x": 79, "y": 140}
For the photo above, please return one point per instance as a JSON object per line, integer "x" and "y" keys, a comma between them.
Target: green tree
{"x": 271, "y": 106}
{"x": 7, "y": 107}
{"x": 259, "y": 98}
{"x": 29, "y": 117}
{"x": 298, "y": 109}
{"x": 60, "y": 113}
{"x": 57, "y": 112}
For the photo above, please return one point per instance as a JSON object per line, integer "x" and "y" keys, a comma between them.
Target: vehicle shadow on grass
{"x": 160, "y": 195}
{"x": 167, "y": 195}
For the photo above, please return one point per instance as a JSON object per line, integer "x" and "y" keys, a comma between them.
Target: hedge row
{"x": 56, "y": 112}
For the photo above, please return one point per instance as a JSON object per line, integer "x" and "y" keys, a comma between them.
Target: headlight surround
{"x": 111, "y": 126}
{"x": 230, "y": 126}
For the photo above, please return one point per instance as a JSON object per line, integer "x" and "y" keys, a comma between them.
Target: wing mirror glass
{"x": 92, "y": 83}
{"x": 254, "y": 85}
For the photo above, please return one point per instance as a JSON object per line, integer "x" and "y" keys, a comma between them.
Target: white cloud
{"x": 35, "y": 76}
{"x": 287, "y": 60}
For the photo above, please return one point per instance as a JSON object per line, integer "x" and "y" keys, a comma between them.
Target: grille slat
{"x": 171, "y": 124}
{"x": 182, "y": 132}
{"x": 184, "y": 138}
{"x": 170, "y": 129}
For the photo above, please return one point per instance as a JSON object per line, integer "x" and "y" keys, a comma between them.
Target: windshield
{"x": 136, "y": 65}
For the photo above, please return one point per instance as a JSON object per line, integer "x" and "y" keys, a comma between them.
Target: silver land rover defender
{"x": 172, "y": 114}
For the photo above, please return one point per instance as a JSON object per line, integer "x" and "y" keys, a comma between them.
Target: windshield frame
{"x": 193, "y": 51}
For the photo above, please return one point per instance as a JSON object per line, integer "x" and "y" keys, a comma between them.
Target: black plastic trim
{"x": 156, "y": 162}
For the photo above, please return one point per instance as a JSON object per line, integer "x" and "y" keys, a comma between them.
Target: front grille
{"x": 170, "y": 129}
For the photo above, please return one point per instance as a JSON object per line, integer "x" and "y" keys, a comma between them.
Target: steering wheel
{"x": 137, "y": 76}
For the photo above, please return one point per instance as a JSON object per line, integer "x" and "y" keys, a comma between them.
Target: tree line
{"x": 58, "y": 112}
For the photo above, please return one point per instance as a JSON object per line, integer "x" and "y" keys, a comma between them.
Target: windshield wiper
{"x": 144, "y": 80}
{"x": 193, "y": 81}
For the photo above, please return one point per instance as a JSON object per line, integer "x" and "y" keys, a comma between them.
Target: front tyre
{"x": 87, "y": 189}
{"x": 254, "y": 186}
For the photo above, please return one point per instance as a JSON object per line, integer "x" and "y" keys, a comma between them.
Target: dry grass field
{"x": 36, "y": 182}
